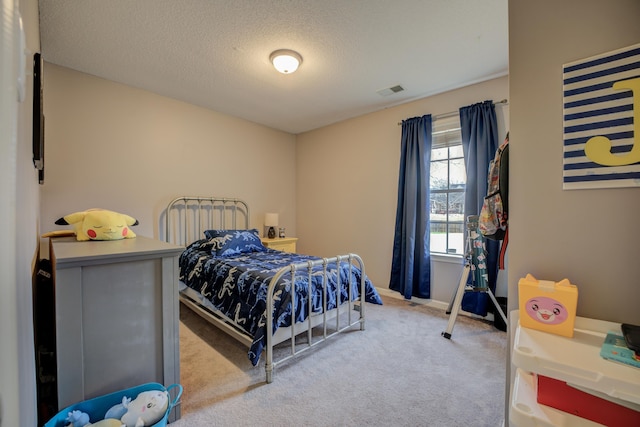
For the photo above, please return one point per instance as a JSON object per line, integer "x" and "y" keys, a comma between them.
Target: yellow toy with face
{"x": 100, "y": 224}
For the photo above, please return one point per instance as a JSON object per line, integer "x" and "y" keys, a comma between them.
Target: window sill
{"x": 453, "y": 259}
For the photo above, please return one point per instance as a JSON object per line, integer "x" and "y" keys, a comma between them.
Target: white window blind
{"x": 446, "y": 131}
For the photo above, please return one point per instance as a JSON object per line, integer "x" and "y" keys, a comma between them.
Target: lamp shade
{"x": 285, "y": 61}
{"x": 271, "y": 219}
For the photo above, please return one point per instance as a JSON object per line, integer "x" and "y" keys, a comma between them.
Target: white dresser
{"x": 116, "y": 305}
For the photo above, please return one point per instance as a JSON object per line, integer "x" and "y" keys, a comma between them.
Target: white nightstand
{"x": 285, "y": 244}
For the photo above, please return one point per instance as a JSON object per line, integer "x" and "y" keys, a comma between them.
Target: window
{"x": 447, "y": 182}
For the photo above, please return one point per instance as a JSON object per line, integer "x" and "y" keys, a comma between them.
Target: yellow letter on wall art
{"x": 598, "y": 148}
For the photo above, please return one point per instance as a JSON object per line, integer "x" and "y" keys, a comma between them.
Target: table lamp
{"x": 271, "y": 221}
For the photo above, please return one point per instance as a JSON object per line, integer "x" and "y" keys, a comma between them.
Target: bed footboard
{"x": 331, "y": 322}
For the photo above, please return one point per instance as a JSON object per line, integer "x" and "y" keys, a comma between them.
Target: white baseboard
{"x": 428, "y": 302}
{"x": 440, "y": 305}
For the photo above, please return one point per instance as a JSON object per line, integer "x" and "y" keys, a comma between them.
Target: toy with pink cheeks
{"x": 546, "y": 310}
{"x": 100, "y": 224}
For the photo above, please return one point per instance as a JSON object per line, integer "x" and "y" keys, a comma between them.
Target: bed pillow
{"x": 234, "y": 242}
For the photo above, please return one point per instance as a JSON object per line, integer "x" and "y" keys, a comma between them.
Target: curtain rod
{"x": 453, "y": 113}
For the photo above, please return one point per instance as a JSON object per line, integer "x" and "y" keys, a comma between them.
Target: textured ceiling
{"x": 215, "y": 53}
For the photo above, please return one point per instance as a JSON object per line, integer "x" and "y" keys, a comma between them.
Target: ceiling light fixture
{"x": 286, "y": 61}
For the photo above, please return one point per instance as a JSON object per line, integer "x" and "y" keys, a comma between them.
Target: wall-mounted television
{"x": 38, "y": 117}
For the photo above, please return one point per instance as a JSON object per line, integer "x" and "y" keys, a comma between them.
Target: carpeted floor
{"x": 398, "y": 372}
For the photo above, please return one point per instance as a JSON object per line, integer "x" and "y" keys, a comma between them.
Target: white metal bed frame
{"x": 186, "y": 219}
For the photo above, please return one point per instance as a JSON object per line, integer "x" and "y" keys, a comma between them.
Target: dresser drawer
{"x": 286, "y": 244}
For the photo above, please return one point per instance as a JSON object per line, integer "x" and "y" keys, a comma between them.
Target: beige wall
{"x": 19, "y": 211}
{"x": 116, "y": 147}
{"x": 591, "y": 237}
{"x": 354, "y": 164}
{"x": 120, "y": 148}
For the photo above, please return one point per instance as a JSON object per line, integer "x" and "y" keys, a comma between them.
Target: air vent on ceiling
{"x": 390, "y": 90}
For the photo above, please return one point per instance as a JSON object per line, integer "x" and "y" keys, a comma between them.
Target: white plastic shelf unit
{"x": 576, "y": 361}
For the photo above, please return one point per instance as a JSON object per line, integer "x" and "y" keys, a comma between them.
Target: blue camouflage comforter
{"x": 237, "y": 286}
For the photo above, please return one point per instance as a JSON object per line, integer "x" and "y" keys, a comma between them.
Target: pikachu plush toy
{"x": 100, "y": 224}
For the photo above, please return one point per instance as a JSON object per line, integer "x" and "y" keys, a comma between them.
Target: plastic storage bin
{"x": 560, "y": 395}
{"x": 98, "y": 406}
{"x": 525, "y": 411}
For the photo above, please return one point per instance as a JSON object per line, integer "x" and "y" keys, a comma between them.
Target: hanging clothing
{"x": 494, "y": 217}
{"x": 411, "y": 262}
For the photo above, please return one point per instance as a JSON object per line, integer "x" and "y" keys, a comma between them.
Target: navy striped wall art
{"x": 601, "y": 109}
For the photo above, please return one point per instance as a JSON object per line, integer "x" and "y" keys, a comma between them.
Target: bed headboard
{"x": 187, "y": 217}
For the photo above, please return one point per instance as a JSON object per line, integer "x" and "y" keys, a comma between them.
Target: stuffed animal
{"x": 81, "y": 419}
{"x": 117, "y": 411}
{"x": 77, "y": 419}
{"x": 146, "y": 409}
{"x": 100, "y": 224}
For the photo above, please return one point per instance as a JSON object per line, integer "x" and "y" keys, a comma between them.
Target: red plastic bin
{"x": 559, "y": 395}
